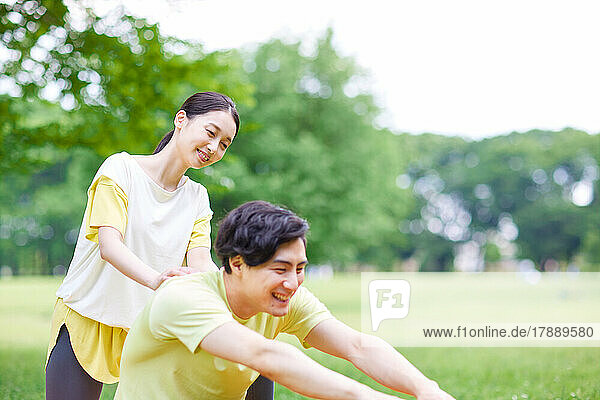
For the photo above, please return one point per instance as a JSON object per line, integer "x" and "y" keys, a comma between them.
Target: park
{"x": 467, "y": 372}
{"x": 78, "y": 85}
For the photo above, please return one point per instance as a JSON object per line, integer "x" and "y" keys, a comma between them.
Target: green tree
{"x": 110, "y": 83}
{"x": 313, "y": 148}
{"x": 517, "y": 188}
{"x": 79, "y": 89}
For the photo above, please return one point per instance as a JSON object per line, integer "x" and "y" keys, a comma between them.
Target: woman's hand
{"x": 180, "y": 271}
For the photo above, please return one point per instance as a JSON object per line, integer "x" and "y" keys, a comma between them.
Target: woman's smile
{"x": 204, "y": 157}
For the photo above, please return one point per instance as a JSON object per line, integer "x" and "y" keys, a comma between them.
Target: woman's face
{"x": 203, "y": 140}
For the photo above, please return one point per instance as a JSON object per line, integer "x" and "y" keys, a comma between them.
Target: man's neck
{"x": 239, "y": 304}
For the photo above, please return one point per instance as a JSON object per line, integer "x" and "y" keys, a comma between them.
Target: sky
{"x": 473, "y": 68}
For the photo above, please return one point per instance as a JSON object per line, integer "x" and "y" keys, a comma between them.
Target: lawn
{"x": 468, "y": 373}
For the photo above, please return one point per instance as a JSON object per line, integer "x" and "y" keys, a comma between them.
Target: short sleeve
{"x": 106, "y": 206}
{"x": 200, "y": 233}
{"x": 306, "y": 311}
{"x": 187, "y": 311}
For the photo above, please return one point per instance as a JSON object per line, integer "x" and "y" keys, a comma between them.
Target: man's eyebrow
{"x": 278, "y": 261}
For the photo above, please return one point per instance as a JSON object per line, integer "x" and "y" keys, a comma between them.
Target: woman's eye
{"x": 300, "y": 270}
{"x": 223, "y": 146}
{"x": 210, "y": 133}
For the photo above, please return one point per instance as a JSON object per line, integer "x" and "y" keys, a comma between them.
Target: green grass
{"x": 468, "y": 373}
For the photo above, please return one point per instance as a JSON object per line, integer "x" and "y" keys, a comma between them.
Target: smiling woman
{"x": 206, "y": 105}
{"x": 145, "y": 222}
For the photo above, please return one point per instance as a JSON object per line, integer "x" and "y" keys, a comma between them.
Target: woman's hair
{"x": 255, "y": 230}
{"x": 202, "y": 103}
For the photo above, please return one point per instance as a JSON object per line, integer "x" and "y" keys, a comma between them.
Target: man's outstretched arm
{"x": 285, "y": 364}
{"x": 374, "y": 357}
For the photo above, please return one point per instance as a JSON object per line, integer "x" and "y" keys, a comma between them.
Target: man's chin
{"x": 279, "y": 312}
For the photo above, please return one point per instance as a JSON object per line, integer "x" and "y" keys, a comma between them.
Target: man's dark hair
{"x": 255, "y": 230}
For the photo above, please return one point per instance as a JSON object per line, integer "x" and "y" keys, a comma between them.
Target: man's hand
{"x": 431, "y": 391}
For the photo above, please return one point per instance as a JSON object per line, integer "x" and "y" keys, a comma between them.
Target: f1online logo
{"x": 389, "y": 299}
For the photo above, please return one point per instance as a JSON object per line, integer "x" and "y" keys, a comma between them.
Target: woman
{"x": 144, "y": 219}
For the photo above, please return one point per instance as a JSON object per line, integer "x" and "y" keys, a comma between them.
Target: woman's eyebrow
{"x": 215, "y": 125}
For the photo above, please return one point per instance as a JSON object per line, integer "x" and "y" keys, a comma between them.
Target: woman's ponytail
{"x": 164, "y": 141}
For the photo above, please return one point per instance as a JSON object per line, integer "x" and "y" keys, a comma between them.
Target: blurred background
{"x": 414, "y": 136}
{"x": 82, "y": 80}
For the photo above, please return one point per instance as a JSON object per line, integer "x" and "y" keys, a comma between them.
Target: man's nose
{"x": 291, "y": 281}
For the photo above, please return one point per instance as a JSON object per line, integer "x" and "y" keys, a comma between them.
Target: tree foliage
{"x": 76, "y": 87}
{"x": 314, "y": 149}
{"x": 80, "y": 87}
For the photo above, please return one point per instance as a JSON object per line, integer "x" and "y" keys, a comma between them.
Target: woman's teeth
{"x": 203, "y": 156}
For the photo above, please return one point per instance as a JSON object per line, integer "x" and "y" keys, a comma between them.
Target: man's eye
{"x": 223, "y": 146}
{"x": 299, "y": 270}
{"x": 210, "y": 133}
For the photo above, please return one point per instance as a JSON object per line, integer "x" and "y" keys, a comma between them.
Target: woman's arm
{"x": 199, "y": 260}
{"x": 114, "y": 251}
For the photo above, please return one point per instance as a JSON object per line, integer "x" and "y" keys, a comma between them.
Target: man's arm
{"x": 285, "y": 364}
{"x": 199, "y": 260}
{"x": 374, "y": 357}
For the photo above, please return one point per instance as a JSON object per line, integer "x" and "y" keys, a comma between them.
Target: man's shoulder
{"x": 189, "y": 288}
{"x": 194, "y": 281}
{"x": 305, "y": 303}
{"x": 303, "y": 294}
{"x": 186, "y": 295}
{"x": 187, "y": 307}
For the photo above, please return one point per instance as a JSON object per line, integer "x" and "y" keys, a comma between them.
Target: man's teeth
{"x": 281, "y": 297}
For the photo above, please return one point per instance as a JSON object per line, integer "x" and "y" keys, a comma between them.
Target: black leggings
{"x": 261, "y": 389}
{"x": 66, "y": 379}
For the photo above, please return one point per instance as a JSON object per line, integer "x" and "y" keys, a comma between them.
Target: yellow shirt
{"x": 161, "y": 358}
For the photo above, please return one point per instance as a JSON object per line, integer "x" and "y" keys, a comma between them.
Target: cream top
{"x": 159, "y": 226}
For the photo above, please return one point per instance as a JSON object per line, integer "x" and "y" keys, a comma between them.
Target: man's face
{"x": 269, "y": 287}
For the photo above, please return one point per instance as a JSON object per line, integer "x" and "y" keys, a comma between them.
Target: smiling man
{"x": 209, "y": 335}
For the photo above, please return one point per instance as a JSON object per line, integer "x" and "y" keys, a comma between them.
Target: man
{"x": 209, "y": 335}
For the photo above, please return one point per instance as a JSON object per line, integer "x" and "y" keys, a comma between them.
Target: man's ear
{"x": 236, "y": 262}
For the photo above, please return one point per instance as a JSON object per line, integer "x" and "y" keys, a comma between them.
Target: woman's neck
{"x": 166, "y": 168}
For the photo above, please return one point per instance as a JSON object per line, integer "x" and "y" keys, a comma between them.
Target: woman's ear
{"x": 180, "y": 119}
